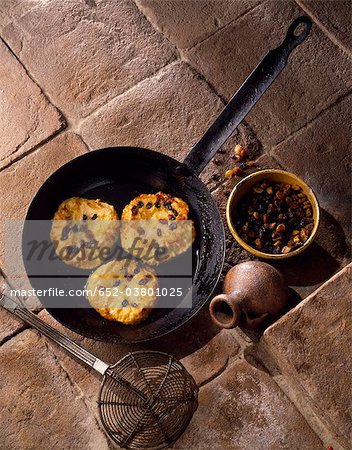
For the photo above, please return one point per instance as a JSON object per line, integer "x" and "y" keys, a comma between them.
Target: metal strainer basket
{"x": 146, "y": 400}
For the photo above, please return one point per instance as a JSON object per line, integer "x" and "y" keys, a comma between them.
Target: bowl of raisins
{"x": 273, "y": 214}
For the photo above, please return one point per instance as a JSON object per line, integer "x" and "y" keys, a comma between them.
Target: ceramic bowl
{"x": 275, "y": 175}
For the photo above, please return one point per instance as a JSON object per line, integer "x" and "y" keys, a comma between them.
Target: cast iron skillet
{"x": 118, "y": 174}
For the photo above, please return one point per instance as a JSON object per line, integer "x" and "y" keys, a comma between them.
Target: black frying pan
{"x": 118, "y": 174}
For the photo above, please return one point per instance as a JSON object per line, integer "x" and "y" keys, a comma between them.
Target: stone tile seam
{"x": 211, "y": 87}
{"x": 159, "y": 72}
{"x": 215, "y": 375}
{"x": 240, "y": 355}
{"x": 32, "y": 78}
{"x": 323, "y": 28}
{"x": 38, "y": 146}
{"x": 229, "y": 361}
{"x": 23, "y": 327}
{"x": 236, "y": 19}
{"x": 77, "y": 125}
{"x": 80, "y": 136}
{"x": 310, "y": 122}
{"x": 32, "y": 150}
{"x": 155, "y": 26}
{"x": 290, "y": 386}
{"x": 13, "y": 334}
{"x": 80, "y": 395}
{"x": 63, "y": 119}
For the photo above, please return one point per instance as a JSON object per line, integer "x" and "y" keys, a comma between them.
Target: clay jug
{"x": 253, "y": 292}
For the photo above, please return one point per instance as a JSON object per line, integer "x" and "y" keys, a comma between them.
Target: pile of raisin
{"x": 274, "y": 217}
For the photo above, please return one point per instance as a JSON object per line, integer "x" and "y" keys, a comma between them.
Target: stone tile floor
{"x": 79, "y": 75}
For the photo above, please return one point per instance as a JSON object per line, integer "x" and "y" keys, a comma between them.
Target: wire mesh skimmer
{"x": 146, "y": 399}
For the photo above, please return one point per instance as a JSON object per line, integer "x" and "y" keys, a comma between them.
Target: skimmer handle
{"x": 63, "y": 341}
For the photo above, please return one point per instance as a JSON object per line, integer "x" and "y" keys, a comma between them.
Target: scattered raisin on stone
{"x": 229, "y": 174}
{"x": 240, "y": 153}
{"x": 238, "y": 171}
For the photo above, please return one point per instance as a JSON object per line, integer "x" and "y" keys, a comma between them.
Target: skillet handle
{"x": 246, "y": 97}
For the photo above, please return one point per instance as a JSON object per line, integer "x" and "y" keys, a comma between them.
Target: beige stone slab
{"x": 40, "y": 407}
{"x": 186, "y": 22}
{"x": 10, "y": 10}
{"x": 321, "y": 154}
{"x": 317, "y": 73}
{"x": 334, "y": 15}
{"x": 313, "y": 344}
{"x": 244, "y": 409}
{"x": 167, "y": 112}
{"x": 85, "y": 53}
{"x": 27, "y": 118}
